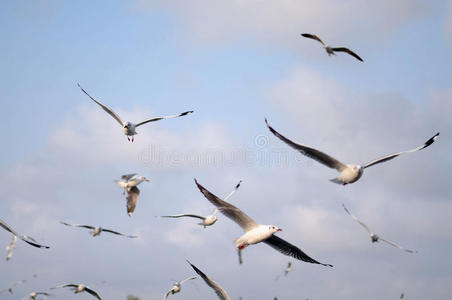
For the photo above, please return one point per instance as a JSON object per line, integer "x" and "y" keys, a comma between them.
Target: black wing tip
{"x": 306, "y": 34}
{"x": 186, "y": 113}
{"x": 431, "y": 140}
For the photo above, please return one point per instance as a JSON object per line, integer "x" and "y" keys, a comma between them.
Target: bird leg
{"x": 133, "y": 138}
{"x": 128, "y": 138}
{"x": 243, "y": 246}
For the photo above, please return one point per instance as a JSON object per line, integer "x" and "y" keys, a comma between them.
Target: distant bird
{"x": 177, "y": 287}
{"x": 11, "y": 247}
{"x": 254, "y": 232}
{"x": 36, "y": 294}
{"x": 78, "y": 288}
{"x": 373, "y": 237}
{"x": 97, "y": 230}
{"x": 288, "y": 268}
{"x": 329, "y": 49}
{"x": 210, "y": 219}
{"x": 129, "y": 127}
{"x": 221, "y": 293}
{"x": 347, "y": 173}
{"x": 401, "y": 296}
{"x": 27, "y": 239}
{"x": 129, "y": 183}
{"x": 239, "y": 253}
{"x": 10, "y": 289}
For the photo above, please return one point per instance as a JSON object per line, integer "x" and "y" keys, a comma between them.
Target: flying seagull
{"x": 129, "y": 183}
{"x": 27, "y": 239}
{"x": 329, "y": 49}
{"x": 375, "y": 238}
{"x": 221, "y": 293}
{"x": 36, "y": 294}
{"x": 97, "y": 230}
{"x": 348, "y": 173}
{"x": 210, "y": 219}
{"x": 10, "y": 289}
{"x": 78, "y": 288}
{"x": 286, "y": 270}
{"x": 129, "y": 127}
{"x": 11, "y": 247}
{"x": 254, "y": 232}
{"x": 177, "y": 287}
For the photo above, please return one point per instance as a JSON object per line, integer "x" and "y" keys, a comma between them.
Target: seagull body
{"x": 177, "y": 287}
{"x": 374, "y": 237}
{"x": 331, "y": 50}
{"x": 129, "y": 127}
{"x": 221, "y": 293}
{"x": 96, "y": 230}
{"x": 11, "y": 247}
{"x": 348, "y": 173}
{"x": 254, "y": 232}
{"x": 27, "y": 239}
{"x": 129, "y": 183}
{"x": 36, "y": 294}
{"x": 78, "y": 288}
{"x": 210, "y": 219}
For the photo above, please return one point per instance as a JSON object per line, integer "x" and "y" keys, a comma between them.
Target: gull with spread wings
{"x": 129, "y": 183}
{"x": 331, "y": 50}
{"x": 348, "y": 173}
{"x": 78, "y": 288}
{"x": 27, "y": 239}
{"x": 129, "y": 127}
{"x": 254, "y": 232}
{"x": 96, "y": 230}
{"x": 177, "y": 287}
{"x": 221, "y": 293}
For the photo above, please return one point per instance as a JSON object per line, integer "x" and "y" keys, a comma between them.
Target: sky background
{"x": 234, "y": 63}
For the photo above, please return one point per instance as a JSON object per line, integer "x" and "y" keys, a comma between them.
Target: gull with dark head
{"x": 11, "y": 247}
{"x": 221, "y": 293}
{"x": 210, "y": 219}
{"x": 27, "y": 239}
{"x": 129, "y": 127}
{"x": 373, "y": 237}
{"x": 78, "y": 288}
{"x": 177, "y": 287}
{"x": 254, "y": 232}
{"x": 331, "y": 50}
{"x": 96, "y": 230}
{"x": 129, "y": 183}
{"x": 348, "y": 173}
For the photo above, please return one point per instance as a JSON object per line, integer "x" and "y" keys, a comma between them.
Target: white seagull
{"x": 97, "y": 230}
{"x": 36, "y": 294}
{"x": 329, "y": 49}
{"x": 210, "y": 219}
{"x": 177, "y": 287}
{"x": 375, "y": 238}
{"x": 221, "y": 293}
{"x": 348, "y": 173}
{"x": 27, "y": 239}
{"x": 254, "y": 232}
{"x": 129, "y": 127}
{"x": 11, "y": 247}
{"x": 78, "y": 288}
{"x": 129, "y": 183}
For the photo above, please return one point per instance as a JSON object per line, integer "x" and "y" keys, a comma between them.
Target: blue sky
{"x": 233, "y": 63}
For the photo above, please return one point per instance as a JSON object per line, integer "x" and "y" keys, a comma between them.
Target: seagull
{"x": 36, "y": 294}
{"x": 375, "y": 238}
{"x": 254, "y": 232}
{"x": 210, "y": 219}
{"x": 129, "y": 127}
{"x": 129, "y": 183}
{"x": 11, "y": 247}
{"x": 78, "y": 288}
{"x": 288, "y": 268}
{"x": 348, "y": 173}
{"x": 221, "y": 293}
{"x": 329, "y": 49}
{"x": 27, "y": 239}
{"x": 10, "y": 289}
{"x": 97, "y": 230}
{"x": 177, "y": 287}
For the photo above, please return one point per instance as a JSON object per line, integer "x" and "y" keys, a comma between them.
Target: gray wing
{"x": 357, "y": 220}
{"x": 78, "y": 225}
{"x": 315, "y": 154}
{"x": 165, "y": 117}
{"x": 65, "y": 285}
{"x": 229, "y": 210}
{"x": 398, "y": 246}
{"x": 93, "y": 293}
{"x": 391, "y": 156}
{"x": 290, "y": 250}
{"x": 108, "y": 110}
{"x": 346, "y": 50}
{"x": 118, "y": 233}
{"x": 24, "y": 238}
{"x": 221, "y": 293}
{"x": 232, "y": 193}
{"x": 184, "y": 215}
{"x": 187, "y": 279}
{"x": 312, "y": 36}
{"x": 132, "y": 199}
{"x": 127, "y": 177}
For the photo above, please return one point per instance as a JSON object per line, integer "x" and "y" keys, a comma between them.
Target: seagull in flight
{"x": 27, "y": 239}
{"x": 78, "y": 288}
{"x": 210, "y": 219}
{"x": 331, "y": 50}
{"x": 221, "y": 293}
{"x": 286, "y": 270}
{"x": 348, "y": 173}
{"x": 36, "y": 294}
{"x": 97, "y": 230}
{"x": 129, "y": 183}
{"x": 254, "y": 232}
{"x": 177, "y": 287}
{"x": 129, "y": 127}
{"x": 373, "y": 237}
{"x": 11, "y": 247}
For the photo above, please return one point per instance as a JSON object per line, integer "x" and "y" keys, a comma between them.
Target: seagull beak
{"x": 279, "y": 229}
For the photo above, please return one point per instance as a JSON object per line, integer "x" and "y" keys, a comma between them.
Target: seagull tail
{"x": 335, "y": 180}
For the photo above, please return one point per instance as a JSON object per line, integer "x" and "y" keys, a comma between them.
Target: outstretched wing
{"x": 77, "y": 225}
{"x": 315, "y": 154}
{"x": 165, "y": 117}
{"x": 391, "y": 156}
{"x": 128, "y": 176}
{"x": 118, "y": 233}
{"x": 221, "y": 293}
{"x": 93, "y": 293}
{"x": 24, "y": 238}
{"x": 290, "y": 250}
{"x": 312, "y": 36}
{"x": 346, "y": 50}
{"x": 398, "y": 246}
{"x": 187, "y": 279}
{"x": 357, "y": 220}
{"x": 184, "y": 215}
{"x": 232, "y": 193}
{"x": 132, "y": 199}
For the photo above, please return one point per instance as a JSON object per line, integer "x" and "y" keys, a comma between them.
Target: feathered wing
{"x": 221, "y": 293}
{"x": 391, "y": 156}
{"x": 229, "y": 210}
{"x": 315, "y": 154}
{"x": 165, "y": 117}
{"x": 108, "y": 110}
{"x": 187, "y": 279}
{"x": 166, "y": 295}
{"x": 132, "y": 199}
{"x": 128, "y": 176}
{"x": 398, "y": 246}
{"x": 24, "y": 238}
{"x": 290, "y": 250}
{"x": 346, "y": 50}
{"x": 357, "y": 220}
{"x": 184, "y": 215}
{"x": 93, "y": 293}
{"x": 77, "y": 225}
{"x": 312, "y": 36}
{"x": 118, "y": 233}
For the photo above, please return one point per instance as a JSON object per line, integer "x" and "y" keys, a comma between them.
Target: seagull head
{"x": 273, "y": 229}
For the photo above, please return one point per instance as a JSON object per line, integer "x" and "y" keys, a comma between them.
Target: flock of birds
{"x": 254, "y": 232}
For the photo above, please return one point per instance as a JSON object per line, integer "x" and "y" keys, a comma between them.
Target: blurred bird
{"x": 27, "y": 239}
{"x": 10, "y": 289}
{"x": 36, "y": 294}
{"x": 329, "y": 49}
{"x": 11, "y": 247}
{"x": 78, "y": 288}
{"x": 221, "y": 293}
{"x": 129, "y": 183}
{"x": 97, "y": 230}
{"x": 177, "y": 287}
